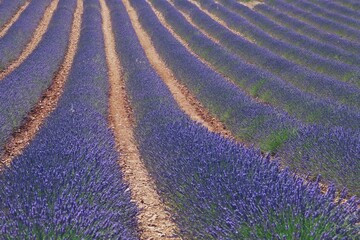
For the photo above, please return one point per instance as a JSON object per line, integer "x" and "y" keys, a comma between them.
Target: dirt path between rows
{"x": 13, "y": 19}
{"x": 153, "y": 220}
{"x": 215, "y": 18}
{"x": 35, "y": 40}
{"x": 250, "y": 4}
{"x": 186, "y": 101}
{"x": 23, "y": 136}
{"x": 323, "y": 186}
{"x": 205, "y": 62}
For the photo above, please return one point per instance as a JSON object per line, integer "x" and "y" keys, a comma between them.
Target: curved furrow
{"x": 306, "y": 80}
{"x": 67, "y": 184}
{"x": 284, "y": 33}
{"x": 26, "y": 85}
{"x": 153, "y": 220}
{"x": 257, "y": 123}
{"x": 25, "y": 35}
{"x": 319, "y": 22}
{"x": 307, "y": 29}
{"x": 262, "y": 84}
{"x": 186, "y": 101}
{"x": 8, "y": 21}
{"x": 288, "y": 52}
{"x": 49, "y": 99}
{"x": 209, "y": 183}
{"x": 8, "y": 9}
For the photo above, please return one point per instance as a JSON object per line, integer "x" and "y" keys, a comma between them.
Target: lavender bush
{"x": 68, "y": 184}
{"x": 20, "y": 33}
{"x": 215, "y": 188}
{"x": 21, "y": 90}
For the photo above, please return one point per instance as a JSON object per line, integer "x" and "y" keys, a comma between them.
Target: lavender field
{"x": 180, "y": 119}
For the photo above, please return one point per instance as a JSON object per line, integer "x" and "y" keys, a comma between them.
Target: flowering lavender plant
{"x": 68, "y": 183}
{"x": 217, "y": 189}
{"x": 20, "y": 33}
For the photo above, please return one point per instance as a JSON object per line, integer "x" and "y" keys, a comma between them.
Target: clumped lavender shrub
{"x": 22, "y": 89}
{"x": 68, "y": 184}
{"x": 20, "y": 33}
{"x": 217, "y": 189}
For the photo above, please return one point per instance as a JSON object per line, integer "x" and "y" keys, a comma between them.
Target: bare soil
{"x": 323, "y": 186}
{"x": 153, "y": 220}
{"x": 186, "y": 101}
{"x": 251, "y": 4}
{"x": 23, "y": 136}
{"x": 218, "y": 20}
{"x": 37, "y": 36}
{"x": 13, "y": 19}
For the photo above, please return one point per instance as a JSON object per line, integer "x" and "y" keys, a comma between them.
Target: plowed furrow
{"x": 37, "y": 36}
{"x": 13, "y": 19}
{"x": 49, "y": 100}
{"x": 154, "y": 221}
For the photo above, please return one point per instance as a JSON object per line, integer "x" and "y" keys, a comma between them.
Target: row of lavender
{"x": 320, "y": 11}
{"x": 290, "y": 54}
{"x": 20, "y": 33}
{"x": 67, "y": 184}
{"x": 215, "y": 188}
{"x": 344, "y": 7}
{"x": 311, "y": 149}
{"x": 7, "y": 9}
{"x": 353, "y": 4}
{"x": 22, "y": 89}
{"x": 254, "y": 80}
{"x": 307, "y": 29}
{"x": 286, "y": 34}
{"x": 318, "y": 21}
{"x": 281, "y": 40}
{"x": 303, "y": 78}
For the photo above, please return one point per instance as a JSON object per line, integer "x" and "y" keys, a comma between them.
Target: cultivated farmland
{"x": 179, "y": 119}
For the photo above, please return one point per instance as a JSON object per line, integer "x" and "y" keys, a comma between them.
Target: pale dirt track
{"x": 323, "y": 186}
{"x": 35, "y": 40}
{"x": 23, "y": 136}
{"x": 13, "y": 19}
{"x": 186, "y": 101}
{"x": 218, "y": 20}
{"x": 250, "y": 4}
{"x": 154, "y": 221}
